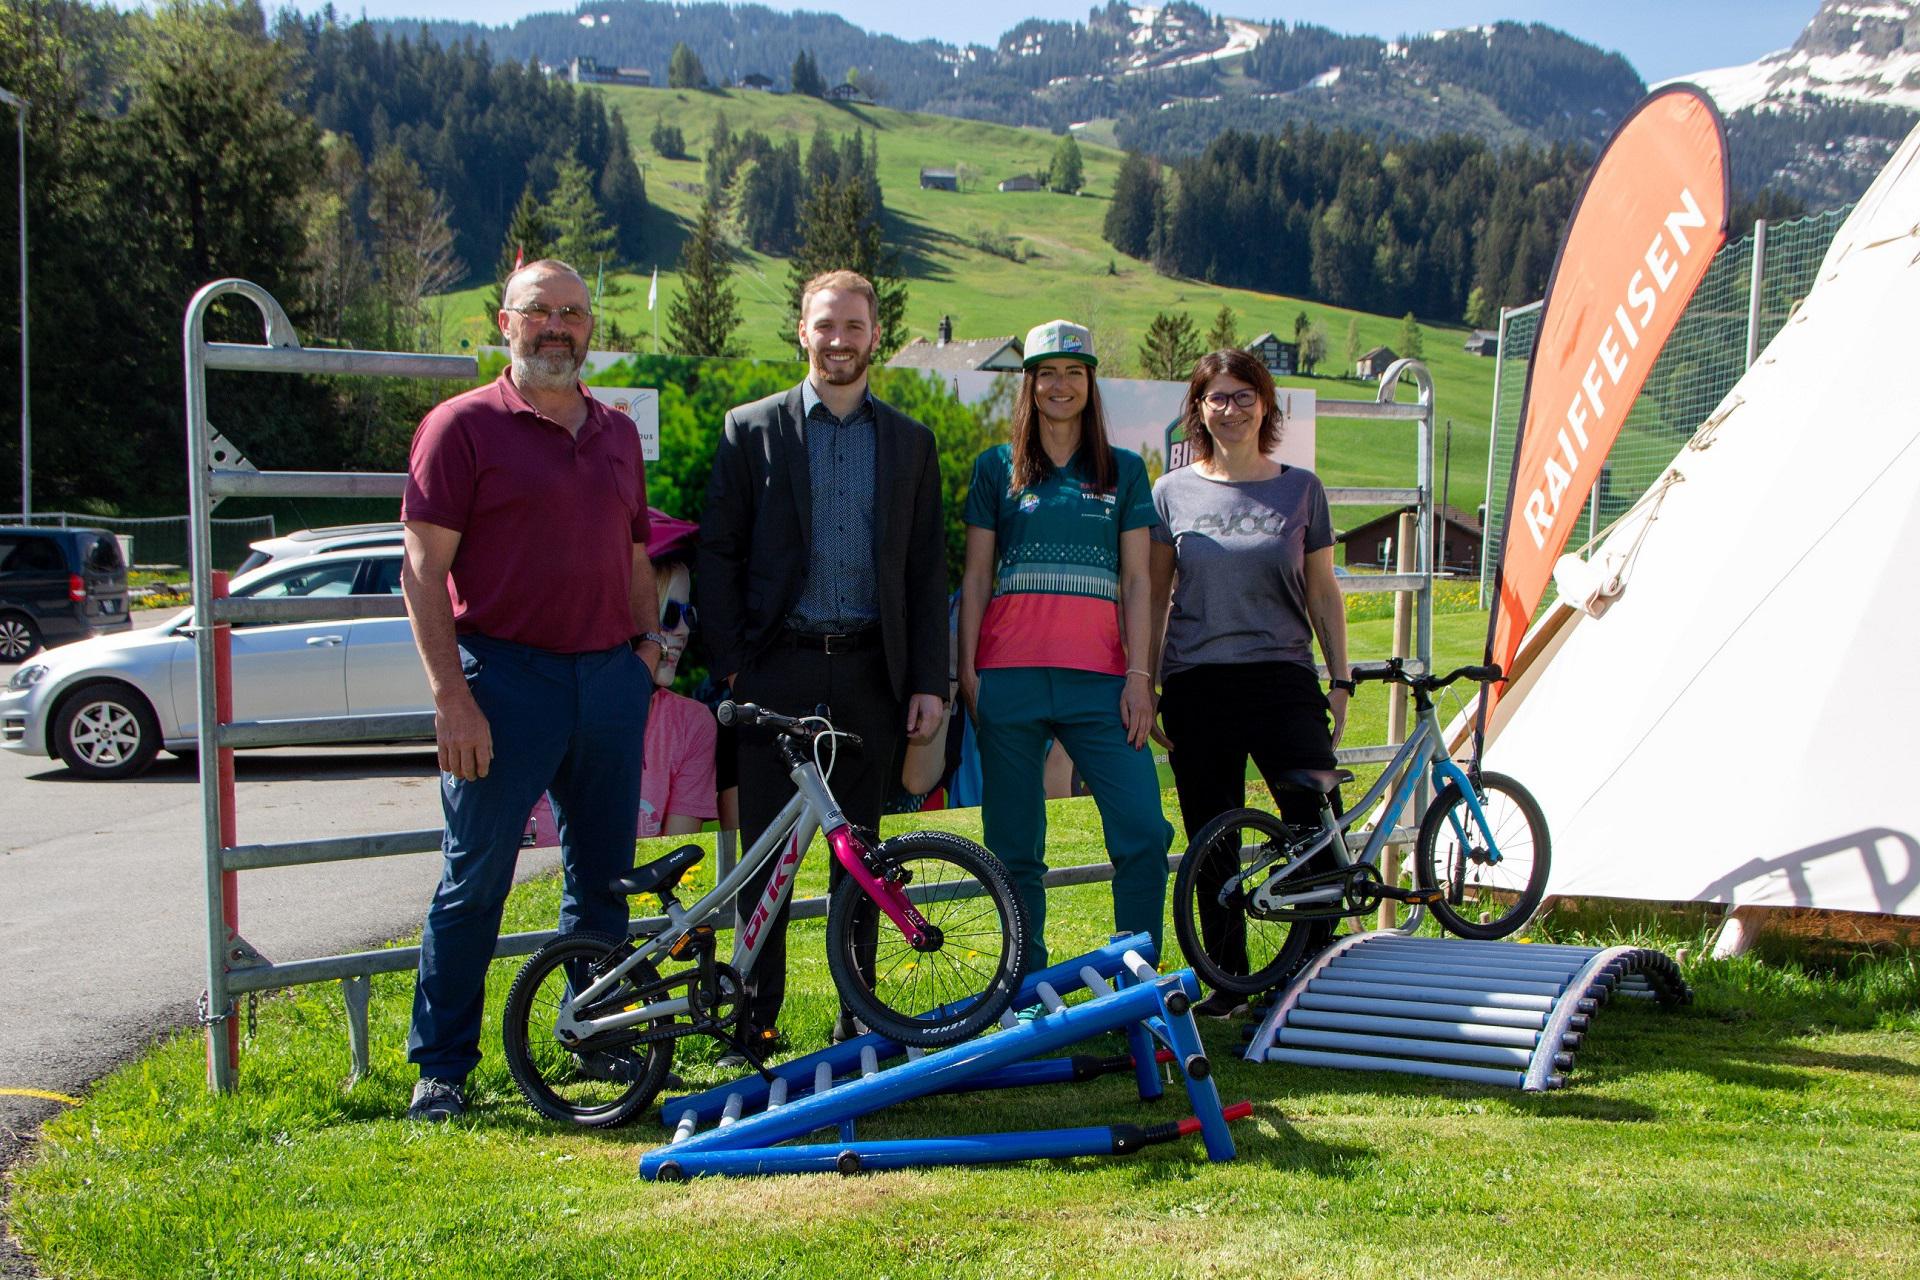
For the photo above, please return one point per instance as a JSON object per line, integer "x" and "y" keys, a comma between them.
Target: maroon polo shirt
{"x": 548, "y": 521}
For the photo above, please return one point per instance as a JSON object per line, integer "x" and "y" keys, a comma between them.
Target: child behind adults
{"x": 1054, "y": 632}
{"x": 677, "y": 784}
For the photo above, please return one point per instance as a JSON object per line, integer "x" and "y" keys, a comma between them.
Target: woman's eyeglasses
{"x": 1245, "y": 398}
{"x": 675, "y": 610}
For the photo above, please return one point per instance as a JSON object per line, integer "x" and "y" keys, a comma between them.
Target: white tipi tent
{"x": 1742, "y": 725}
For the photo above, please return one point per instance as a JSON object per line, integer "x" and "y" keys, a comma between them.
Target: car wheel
{"x": 106, "y": 730}
{"x": 19, "y": 638}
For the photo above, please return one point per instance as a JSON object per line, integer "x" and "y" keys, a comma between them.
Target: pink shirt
{"x": 676, "y": 775}
{"x": 547, "y": 520}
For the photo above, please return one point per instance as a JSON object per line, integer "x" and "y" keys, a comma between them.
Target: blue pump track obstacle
{"x": 1507, "y": 1014}
{"x": 749, "y": 1119}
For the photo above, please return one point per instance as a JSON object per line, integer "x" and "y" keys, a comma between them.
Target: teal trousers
{"x": 1021, "y": 710}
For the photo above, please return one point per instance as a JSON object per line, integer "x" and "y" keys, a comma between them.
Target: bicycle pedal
{"x": 1423, "y": 897}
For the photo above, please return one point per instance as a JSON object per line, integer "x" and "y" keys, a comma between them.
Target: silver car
{"x": 107, "y": 706}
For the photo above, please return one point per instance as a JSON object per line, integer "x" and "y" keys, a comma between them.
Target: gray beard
{"x": 546, "y": 371}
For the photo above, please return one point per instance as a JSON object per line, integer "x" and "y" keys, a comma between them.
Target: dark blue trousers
{"x": 571, "y": 725}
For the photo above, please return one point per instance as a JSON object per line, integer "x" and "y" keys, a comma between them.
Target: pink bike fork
{"x": 847, "y": 851}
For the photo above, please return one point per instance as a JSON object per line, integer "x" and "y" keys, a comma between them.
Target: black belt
{"x": 831, "y": 642}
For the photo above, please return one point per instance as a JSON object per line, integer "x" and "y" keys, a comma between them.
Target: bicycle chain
{"x": 705, "y": 1023}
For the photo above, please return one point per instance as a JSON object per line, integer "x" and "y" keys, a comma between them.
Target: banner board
{"x": 642, "y": 404}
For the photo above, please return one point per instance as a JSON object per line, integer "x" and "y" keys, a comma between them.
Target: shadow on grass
{"x": 917, "y": 243}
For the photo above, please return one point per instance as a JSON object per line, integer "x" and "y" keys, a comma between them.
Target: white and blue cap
{"x": 1058, "y": 339}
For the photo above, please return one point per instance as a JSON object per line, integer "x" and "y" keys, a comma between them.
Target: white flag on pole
{"x": 653, "y": 290}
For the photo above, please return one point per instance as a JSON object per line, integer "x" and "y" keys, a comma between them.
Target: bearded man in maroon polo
{"x": 533, "y": 607}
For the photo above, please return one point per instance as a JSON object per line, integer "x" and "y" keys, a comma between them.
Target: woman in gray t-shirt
{"x": 1244, "y": 548}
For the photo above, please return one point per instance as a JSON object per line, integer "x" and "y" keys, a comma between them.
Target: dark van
{"x": 58, "y": 585}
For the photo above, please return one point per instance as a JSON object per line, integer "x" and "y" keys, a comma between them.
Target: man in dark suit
{"x": 821, "y": 577}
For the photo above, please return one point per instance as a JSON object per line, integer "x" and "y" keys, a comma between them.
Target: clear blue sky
{"x": 1662, "y": 38}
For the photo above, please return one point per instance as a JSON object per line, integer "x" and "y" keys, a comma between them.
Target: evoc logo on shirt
{"x": 1245, "y": 523}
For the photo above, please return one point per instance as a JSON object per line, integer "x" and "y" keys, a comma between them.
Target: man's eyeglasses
{"x": 538, "y": 313}
{"x": 1245, "y": 398}
{"x": 673, "y": 611}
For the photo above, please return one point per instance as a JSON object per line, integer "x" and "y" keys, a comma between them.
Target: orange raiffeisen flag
{"x": 1652, "y": 216}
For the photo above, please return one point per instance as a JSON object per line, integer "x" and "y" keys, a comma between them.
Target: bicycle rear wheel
{"x": 1230, "y": 948}
{"x": 609, "y": 1080}
{"x": 1493, "y": 886}
{"x": 958, "y": 987}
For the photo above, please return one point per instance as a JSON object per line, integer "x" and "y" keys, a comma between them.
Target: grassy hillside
{"x": 986, "y": 295}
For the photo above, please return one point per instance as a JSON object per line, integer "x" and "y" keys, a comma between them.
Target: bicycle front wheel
{"x": 1231, "y": 948}
{"x": 610, "y": 1079}
{"x": 1494, "y": 875}
{"x": 957, "y": 987}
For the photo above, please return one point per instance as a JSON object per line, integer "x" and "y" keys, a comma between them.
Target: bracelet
{"x": 1136, "y": 671}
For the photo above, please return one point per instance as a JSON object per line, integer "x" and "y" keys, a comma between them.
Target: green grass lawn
{"x": 987, "y": 295}
{"x": 1770, "y": 1129}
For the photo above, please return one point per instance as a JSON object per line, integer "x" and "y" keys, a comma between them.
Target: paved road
{"x": 103, "y": 883}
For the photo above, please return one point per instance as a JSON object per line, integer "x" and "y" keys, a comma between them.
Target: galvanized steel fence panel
{"x": 1699, "y": 366}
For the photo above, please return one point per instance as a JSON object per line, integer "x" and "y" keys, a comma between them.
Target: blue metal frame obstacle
{"x": 842, "y": 1083}
{"x": 1498, "y": 1013}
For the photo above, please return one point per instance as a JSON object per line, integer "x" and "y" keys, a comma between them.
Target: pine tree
{"x": 412, "y": 245}
{"x": 582, "y": 237}
{"x": 1223, "y": 336}
{"x": 1134, "y": 208}
{"x": 684, "y": 70}
{"x": 1410, "y": 336}
{"x": 529, "y": 238}
{"x": 668, "y": 142}
{"x": 1171, "y": 347}
{"x": 806, "y": 77}
{"x": 1066, "y": 174}
{"x": 840, "y": 231}
{"x": 823, "y": 161}
{"x": 623, "y": 192}
{"x": 702, "y": 318}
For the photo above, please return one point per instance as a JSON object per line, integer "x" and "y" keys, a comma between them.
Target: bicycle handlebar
{"x": 1393, "y": 671}
{"x": 730, "y": 712}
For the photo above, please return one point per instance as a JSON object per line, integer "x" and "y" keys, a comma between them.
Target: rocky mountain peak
{"x": 1870, "y": 28}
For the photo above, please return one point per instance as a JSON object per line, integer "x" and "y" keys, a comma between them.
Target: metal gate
{"x": 217, "y": 469}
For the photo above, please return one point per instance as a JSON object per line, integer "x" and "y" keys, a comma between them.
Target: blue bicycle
{"x": 1256, "y": 898}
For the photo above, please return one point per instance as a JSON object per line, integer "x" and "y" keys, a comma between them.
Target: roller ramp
{"x": 750, "y": 1122}
{"x": 1507, "y": 1014}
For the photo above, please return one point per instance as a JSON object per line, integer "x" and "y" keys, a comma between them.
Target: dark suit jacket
{"x": 756, "y": 538}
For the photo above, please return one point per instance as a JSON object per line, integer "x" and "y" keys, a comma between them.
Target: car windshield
{"x": 332, "y": 579}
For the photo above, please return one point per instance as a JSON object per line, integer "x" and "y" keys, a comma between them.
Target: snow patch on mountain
{"x": 1851, "y": 51}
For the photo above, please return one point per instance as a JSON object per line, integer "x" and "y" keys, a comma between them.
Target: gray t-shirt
{"x": 1241, "y": 552}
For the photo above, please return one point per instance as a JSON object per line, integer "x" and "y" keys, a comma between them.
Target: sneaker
{"x": 436, "y": 1100}
{"x": 1221, "y": 1004}
{"x": 614, "y": 1068}
{"x": 846, "y": 1027}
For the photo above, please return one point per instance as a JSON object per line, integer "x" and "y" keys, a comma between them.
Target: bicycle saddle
{"x": 1317, "y": 781}
{"x": 660, "y": 875}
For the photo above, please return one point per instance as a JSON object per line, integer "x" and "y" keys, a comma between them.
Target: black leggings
{"x": 1217, "y": 717}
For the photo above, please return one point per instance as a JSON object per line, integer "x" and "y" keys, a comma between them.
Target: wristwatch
{"x": 1347, "y": 686}
{"x": 657, "y": 637}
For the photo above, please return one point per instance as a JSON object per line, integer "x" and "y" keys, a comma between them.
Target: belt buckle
{"x": 830, "y": 643}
